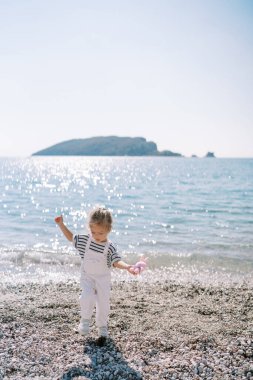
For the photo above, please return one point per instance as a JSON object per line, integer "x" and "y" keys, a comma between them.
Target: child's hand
{"x": 139, "y": 266}
{"x": 58, "y": 219}
{"x": 132, "y": 270}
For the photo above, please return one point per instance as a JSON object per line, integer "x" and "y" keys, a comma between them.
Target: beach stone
{"x": 48, "y": 348}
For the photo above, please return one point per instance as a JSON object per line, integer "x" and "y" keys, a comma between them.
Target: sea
{"x": 191, "y": 217}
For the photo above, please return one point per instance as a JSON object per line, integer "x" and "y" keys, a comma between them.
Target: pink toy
{"x": 140, "y": 265}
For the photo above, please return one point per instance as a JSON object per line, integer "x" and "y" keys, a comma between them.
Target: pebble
{"x": 49, "y": 351}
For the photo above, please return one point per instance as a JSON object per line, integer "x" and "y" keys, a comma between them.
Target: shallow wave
{"x": 23, "y": 266}
{"x": 177, "y": 273}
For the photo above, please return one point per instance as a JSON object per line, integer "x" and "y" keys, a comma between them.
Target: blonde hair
{"x": 101, "y": 216}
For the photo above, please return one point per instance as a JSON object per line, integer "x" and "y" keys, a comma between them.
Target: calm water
{"x": 188, "y": 212}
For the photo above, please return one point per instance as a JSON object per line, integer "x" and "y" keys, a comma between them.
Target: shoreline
{"x": 43, "y": 274}
{"x": 159, "y": 329}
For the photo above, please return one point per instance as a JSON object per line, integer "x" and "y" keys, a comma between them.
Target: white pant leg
{"x": 103, "y": 286}
{"x": 88, "y": 297}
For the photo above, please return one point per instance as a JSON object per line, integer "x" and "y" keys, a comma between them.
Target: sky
{"x": 177, "y": 72}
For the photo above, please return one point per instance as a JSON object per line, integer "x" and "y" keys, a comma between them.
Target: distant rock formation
{"x": 210, "y": 155}
{"x": 106, "y": 146}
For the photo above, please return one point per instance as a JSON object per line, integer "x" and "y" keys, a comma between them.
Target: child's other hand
{"x": 140, "y": 265}
{"x": 58, "y": 219}
{"x": 132, "y": 270}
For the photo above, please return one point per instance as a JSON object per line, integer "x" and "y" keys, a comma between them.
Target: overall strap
{"x": 106, "y": 248}
{"x": 88, "y": 244}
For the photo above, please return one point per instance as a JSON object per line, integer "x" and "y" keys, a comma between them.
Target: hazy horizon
{"x": 183, "y": 156}
{"x": 178, "y": 73}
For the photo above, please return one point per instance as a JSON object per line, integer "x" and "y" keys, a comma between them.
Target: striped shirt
{"x": 80, "y": 242}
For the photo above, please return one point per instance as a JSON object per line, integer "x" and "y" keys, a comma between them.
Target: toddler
{"x": 98, "y": 256}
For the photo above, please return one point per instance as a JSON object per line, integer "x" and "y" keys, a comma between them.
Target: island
{"x": 106, "y": 146}
{"x": 210, "y": 155}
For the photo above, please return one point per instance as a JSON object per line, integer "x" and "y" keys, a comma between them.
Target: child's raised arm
{"x": 67, "y": 233}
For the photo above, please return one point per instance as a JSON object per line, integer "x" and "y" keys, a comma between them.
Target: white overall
{"x": 96, "y": 285}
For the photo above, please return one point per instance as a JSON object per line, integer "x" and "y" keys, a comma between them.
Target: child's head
{"x": 100, "y": 223}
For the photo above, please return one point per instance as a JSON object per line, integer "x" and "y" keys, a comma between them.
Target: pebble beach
{"x": 159, "y": 329}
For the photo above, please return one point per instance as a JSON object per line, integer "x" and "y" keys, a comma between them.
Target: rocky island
{"x": 106, "y": 146}
{"x": 210, "y": 155}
